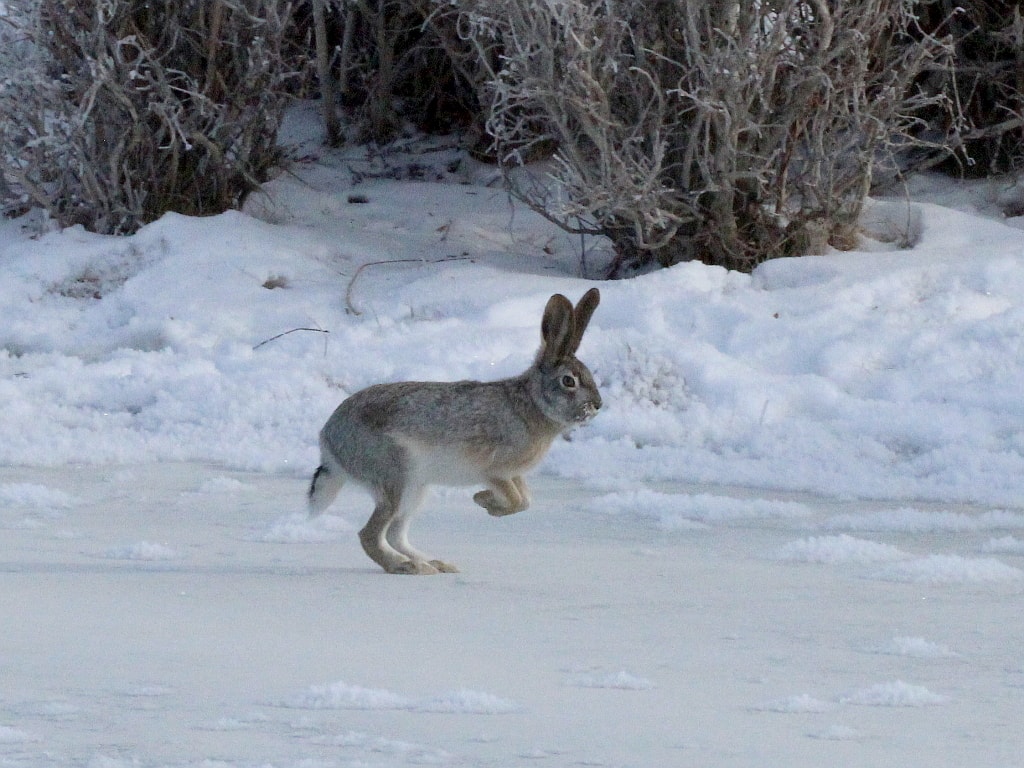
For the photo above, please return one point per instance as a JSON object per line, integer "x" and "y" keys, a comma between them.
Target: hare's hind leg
{"x": 398, "y": 533}
{"x": 377, "y": 536}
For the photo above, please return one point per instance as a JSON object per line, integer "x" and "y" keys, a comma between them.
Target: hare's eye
{"x": 569, "y": 381}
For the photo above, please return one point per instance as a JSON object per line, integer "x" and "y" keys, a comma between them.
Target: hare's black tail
{"x": 323, "y": 488}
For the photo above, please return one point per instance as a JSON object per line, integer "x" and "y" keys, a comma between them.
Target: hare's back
{"x": 485, "y": 425}
{"x": 428, "y": 411}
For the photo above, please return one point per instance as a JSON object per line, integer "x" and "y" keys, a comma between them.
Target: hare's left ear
{"x": 581, "y": 317}
{"x": 556, "y": 330}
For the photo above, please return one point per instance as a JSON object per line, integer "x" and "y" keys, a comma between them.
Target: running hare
{"x": 397, "y": 439}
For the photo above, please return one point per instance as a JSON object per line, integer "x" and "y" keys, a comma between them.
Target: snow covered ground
{"x": 793, "y": 536}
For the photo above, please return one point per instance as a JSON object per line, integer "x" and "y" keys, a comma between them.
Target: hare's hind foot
{"x": 489, "y": 501}
{"x": 412, "y": 568}
{"x": 443, "y": 567}
{"x": 394, "y": 561}
{"x": 421, "y": 568}
{"x": 504, "y": 497}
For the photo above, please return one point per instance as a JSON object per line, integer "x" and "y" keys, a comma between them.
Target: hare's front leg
{"x": 504, "y": 497}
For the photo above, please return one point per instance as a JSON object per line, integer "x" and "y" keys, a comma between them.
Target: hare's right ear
{"x": 581, "y": 316}
{"x": 556, "y": 330}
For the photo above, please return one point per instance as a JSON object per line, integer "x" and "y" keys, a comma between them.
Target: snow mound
{"x": 298, "y": 527}
{"x": 142, "y": 550}
{"x": 950, "y": 569}
{"x": 341, "y": 695}
{"x": 913, "y": 647}
{"x": 1006, "y": 545}
{"x": 344, "y": 696}
{"x": 800, "y": 703}
{"x": 840, "y": 549}
{"x": 622, "y": 680}
{"x": 216, "y": 485}
{"x": 894, "y": 694}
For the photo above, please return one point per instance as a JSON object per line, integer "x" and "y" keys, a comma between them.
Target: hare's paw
{"x": 443, "y": 567}
{"x": 414, "y": 568}
{"x": 489, "y": 501}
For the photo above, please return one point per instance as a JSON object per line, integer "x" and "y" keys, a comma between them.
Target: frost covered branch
{"x": 685, "y": 129}
{"x": 115, "y": 112}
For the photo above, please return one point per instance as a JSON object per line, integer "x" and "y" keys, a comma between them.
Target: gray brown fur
{"x": 395, "y": 440}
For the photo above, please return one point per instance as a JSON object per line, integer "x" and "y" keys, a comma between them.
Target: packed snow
{"x": 792, "y": 536}
{"x": 341, "y": 695}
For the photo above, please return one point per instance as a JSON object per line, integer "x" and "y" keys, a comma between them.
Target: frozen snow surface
{"x": 792, "y": 537}
{"x": 155, "y": 622}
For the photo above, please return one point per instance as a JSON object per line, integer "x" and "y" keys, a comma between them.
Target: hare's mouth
{"x": 586, "y": 412}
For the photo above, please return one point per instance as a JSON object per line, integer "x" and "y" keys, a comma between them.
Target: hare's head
{"x": 567, "y": 392}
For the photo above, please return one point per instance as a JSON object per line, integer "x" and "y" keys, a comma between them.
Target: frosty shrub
{"x": 728, "y": 132}
{"x": 113, "y": 112}
{"x": 989, "y": 79}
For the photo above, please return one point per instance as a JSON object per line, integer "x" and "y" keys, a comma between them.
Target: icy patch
{"x": 144, "y": 691}
{"x": 300, "y": 528}
{"x": 837, "y": 733}
{"x": 908, "y": 520}
{"x": 894, "y": 694}
{"x": 801, "y": 703}
{"x": 105, "y": 761}
{"x": 229, "y": 724}
{"x": 538, "y": 755}
{"x": 25, "y": 524}
{"x": 33, "y": 495}
{"x": 950, "y": 569}
{"x": 53, "y": 709}
{"x": 913, "y": 647}
{"x": 675, "y": 511}
{"x": 226, "y": 724}
{"x": 840, "y": 549}
{"x": 341, "y": 695}
{"x": 142, "y": 550}
{"x": 622, "y": 680}
{"x": 16, "y": 736}
{"x": 412, "y": 754}
{"x": 465, "y": 702}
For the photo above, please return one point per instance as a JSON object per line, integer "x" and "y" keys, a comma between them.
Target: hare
{"x": 395, "y": 440}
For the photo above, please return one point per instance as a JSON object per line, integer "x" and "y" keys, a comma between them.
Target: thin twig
{"x": 293, "y": 330}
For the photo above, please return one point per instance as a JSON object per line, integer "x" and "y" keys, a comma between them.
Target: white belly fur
{"x": 442, "y": 465}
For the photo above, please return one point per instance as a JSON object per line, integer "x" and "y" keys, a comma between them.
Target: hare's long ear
{"x": 556, "y": 330}
{"x": 581, "y": 316}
